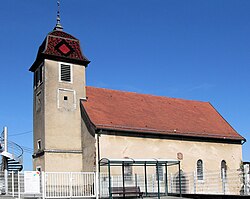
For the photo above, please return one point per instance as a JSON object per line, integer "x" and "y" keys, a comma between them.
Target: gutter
{"x": 243, "y": 141}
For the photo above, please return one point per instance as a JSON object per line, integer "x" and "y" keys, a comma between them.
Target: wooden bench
{"x": 126, "y": 191}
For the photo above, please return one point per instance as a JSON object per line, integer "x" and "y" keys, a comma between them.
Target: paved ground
{"x": 162, "y": 197}
{"x": 165, "y": 197}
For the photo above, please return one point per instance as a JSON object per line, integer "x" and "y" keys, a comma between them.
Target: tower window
{"x": 200, "y": 170}
{"x": 65, "y": 73}
{"x": 38, "y": 76}
{"x": 65, "y": 98}
{"x": 39, "y": 144}
{"x": 38, "y": 101}
{"x": 39, "y": 168}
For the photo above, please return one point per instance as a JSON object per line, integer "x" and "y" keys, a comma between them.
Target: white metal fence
{"x": 232, "y": 182}
{"x": 49, "y": 184}
{"x": 69, "y": 185}
{"x": 80, "y": 185}
{"x": 213, "y": 182}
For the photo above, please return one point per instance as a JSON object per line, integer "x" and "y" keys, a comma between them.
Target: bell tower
{"x": 59, "y": 84}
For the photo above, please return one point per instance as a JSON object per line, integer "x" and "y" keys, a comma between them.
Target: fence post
{"x": 153, "y": 183}
{"x": 194, "y": 176}
{"x": 6, "y": 181}
{"x": 135, "y": 179}
{"x": 96, "y": 181}
{"x": 170, "y": 183}
{"x": 43, "y": 184}
{"x": 246, "y": 178}
{"x": 18, "y": 184}
{"x": 13, "y": 188}
{"x": 71, "y": 184}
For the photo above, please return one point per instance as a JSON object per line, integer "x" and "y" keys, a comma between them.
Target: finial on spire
{"x": 58, "y": 19}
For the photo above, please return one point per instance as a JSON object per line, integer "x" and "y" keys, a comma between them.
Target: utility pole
{"x": 5, "y": 161}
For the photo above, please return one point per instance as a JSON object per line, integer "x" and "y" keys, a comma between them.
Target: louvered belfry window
{"x": 65, "y": 73}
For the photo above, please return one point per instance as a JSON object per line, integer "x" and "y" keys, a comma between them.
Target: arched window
{"x": 223, "y": 169}
{"x": 199, "y": 169}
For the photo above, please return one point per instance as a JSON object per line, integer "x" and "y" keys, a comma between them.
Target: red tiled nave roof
{"x": 128, "y": 111}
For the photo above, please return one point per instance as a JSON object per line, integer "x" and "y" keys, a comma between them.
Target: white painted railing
{"x": 49, "y": 184}
{"x": 69, "y": 185}
{"x": 233, "y": 182}
{"x": 83, "y": 185}
{"x": 212, "y": 182}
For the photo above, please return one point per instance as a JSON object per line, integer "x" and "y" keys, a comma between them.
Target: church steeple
{"x": 59, "y": 85}
{"x": 60, "y": 46}
{"x": 58, "y": 18}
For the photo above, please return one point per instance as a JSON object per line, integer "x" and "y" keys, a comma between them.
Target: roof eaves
{"x": 164, "y": 132}
{"x": 242, "y": 138}
{"x": 89, "y": 124}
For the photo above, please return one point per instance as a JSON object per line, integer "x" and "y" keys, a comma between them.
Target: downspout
{"x": 98, "y": 145}
{"x": 97, "y": 135}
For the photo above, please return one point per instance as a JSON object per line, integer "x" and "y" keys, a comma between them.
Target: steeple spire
{"x": 58, "y": 19}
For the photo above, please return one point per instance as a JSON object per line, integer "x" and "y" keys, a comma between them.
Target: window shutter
{"x": 65, "y": 73}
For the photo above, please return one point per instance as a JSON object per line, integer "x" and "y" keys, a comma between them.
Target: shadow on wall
{"x": 184, "y": 182}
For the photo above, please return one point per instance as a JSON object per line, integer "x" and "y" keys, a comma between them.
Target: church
{"x": 75, "y": 125}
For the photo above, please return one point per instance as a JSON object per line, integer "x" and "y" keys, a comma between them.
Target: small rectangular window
{"x": 65, "y": 73}
{"x": 38, "y": 101}
{"x": 39, "y": 144}
{"x": 39, "y": 168}
{"x": 38, "y": 76}
{"x": 35, "y": 79}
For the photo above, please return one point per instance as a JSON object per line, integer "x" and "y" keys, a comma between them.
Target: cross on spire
{"x": 58, "y": 19}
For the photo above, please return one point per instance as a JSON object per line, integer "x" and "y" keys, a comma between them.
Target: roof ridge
{"x": 146, "y": 94}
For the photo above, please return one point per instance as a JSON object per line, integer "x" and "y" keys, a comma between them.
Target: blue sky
{"x": 192, "y": 49}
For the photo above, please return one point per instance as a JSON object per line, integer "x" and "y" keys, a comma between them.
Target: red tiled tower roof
{"x": 133, "y": 112}
{"x": 60, "y": 46}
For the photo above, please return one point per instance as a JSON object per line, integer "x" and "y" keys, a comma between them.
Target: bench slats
{"x": 127, "y": 191}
